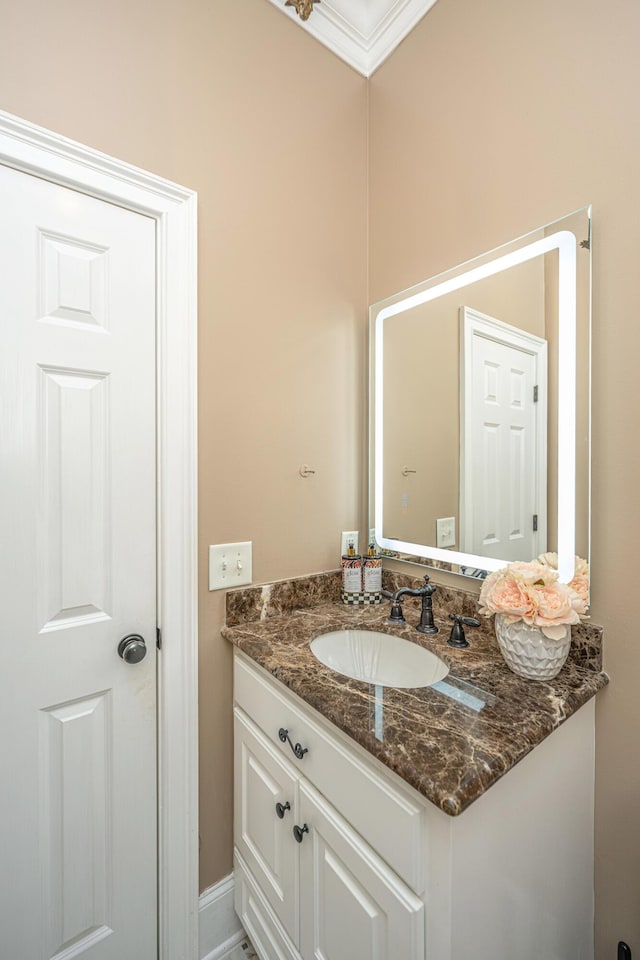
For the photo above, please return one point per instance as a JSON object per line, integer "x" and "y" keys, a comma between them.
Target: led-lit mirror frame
{"x": 565, "y": 243}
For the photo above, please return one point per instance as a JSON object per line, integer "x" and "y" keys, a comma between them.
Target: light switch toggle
{"x": 230, "y": 565}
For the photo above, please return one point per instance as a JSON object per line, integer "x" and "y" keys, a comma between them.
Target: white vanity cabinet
{"x": 325, "y": 894}
{"x": 328, "y": 894}
{"x": 379, "y": 873}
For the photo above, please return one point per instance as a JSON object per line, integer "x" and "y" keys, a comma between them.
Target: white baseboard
{"x": 220, "y": 928}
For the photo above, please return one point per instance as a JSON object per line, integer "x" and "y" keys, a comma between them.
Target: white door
{"x": 77, "y": 574}
{"x": 503, "y": 436}
{"x": 352, "y": 906}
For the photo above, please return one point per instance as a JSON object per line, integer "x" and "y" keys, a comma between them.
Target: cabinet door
{"x": 353, "y": 907}
{"x": 265, "y": 840}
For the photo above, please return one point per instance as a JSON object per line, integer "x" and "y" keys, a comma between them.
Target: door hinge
{"x": 586, "y": 244}
{"x": 158, "y": 638}
{"x": 535, "y": 522}
{"x": 535, "y": 393}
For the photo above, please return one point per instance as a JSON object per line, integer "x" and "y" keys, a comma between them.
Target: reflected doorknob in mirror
{"x": 132, "y": 648}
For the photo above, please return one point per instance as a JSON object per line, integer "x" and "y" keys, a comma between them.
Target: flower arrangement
{"x": 531, "y": 592}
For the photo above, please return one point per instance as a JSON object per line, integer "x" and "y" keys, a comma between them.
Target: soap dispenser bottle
{"x": 351, "y": 575}
{"x": 372, "y": 576}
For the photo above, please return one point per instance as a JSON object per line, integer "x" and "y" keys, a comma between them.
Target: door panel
{"x": 353, "y": 907}
{"x": 74, "y": 508}
{"x": 505, "y": 450}
{"x": 503, "y": 467}
{"x": 75, "y": 773}
{"x": 77, "y": 573}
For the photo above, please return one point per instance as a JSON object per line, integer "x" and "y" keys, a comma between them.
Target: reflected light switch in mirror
{"x": 446, "y": 532}
{"x": 230, "y": 565}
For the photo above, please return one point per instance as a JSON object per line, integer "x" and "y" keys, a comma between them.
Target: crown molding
{"x": 361, "y": 32}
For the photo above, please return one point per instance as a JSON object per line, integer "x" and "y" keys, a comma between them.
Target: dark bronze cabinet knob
{"x": 299, "y": 832}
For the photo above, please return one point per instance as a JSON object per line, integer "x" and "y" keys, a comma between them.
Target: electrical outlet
{"x": 446, "y": 532}
{"x": 230, "y": 565}
{"x": 348, "y": 536}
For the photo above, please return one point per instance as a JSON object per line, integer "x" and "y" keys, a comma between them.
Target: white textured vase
{"x": 528, "y": 652}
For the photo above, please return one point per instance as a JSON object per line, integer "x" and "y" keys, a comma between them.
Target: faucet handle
{"x": 457, "y": 638}
{"x": 396, "y": 615}
{"x": 429, "y": 588}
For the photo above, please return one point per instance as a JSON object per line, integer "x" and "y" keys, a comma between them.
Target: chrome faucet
{"x": 426, "y": 591}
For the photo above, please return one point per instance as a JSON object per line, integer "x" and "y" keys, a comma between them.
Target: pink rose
{"x": 533, "y": 572}
{"x": 555, "y": 610}
{"x": 580, "y": 584}
{"x": 549, "y": 560}
{"x": 580, "y": 566}
{"x": 531, "y": 592}
{"x": 508, "y": 595}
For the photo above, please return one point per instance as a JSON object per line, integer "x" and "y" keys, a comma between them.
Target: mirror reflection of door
{"x": 503, "y": 439}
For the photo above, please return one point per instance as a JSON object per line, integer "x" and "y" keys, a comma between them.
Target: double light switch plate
{"x": 230, "y": 565}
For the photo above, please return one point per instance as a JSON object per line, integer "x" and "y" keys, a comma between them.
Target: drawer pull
{"x": 299, "y": 832}
{"x": 281, "y": 810}
{"x": 297, "y": 748}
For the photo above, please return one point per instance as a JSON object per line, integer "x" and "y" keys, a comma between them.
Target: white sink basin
{"x": 378, "y": 658}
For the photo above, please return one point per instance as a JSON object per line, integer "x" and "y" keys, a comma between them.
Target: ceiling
{"x": 362, "y": 32}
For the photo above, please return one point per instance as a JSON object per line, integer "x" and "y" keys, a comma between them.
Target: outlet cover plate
{"x": 446, "y": 532}
{"x": 230, "y": 565}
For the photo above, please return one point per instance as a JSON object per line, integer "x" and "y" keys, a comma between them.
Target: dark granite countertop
{"x": 450, "y": 742}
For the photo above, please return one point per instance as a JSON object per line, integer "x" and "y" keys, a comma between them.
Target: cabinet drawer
{"x": 384, "y": 815}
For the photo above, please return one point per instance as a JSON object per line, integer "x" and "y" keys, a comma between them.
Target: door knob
{"x": 132, "y": 648}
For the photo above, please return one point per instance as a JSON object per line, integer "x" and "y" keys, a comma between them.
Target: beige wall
{"x": 230, "y": 98}
{"x": 491, "y": 119}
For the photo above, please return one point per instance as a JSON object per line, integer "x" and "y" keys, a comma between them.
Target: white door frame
{"x": 35, "y": 150}
{"x": 473, "y": 323}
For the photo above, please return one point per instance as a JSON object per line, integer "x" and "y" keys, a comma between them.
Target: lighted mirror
{"x": 480, "y": 408}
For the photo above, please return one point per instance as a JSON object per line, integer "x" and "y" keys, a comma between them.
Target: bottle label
{"x": 372, "y": 579}
{"x": 352, "y": 574}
